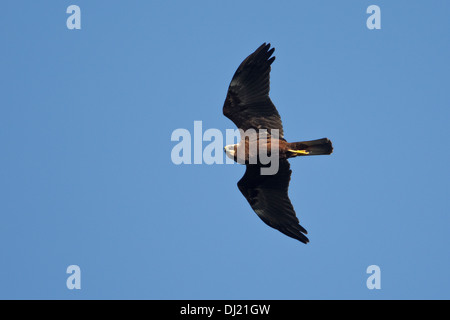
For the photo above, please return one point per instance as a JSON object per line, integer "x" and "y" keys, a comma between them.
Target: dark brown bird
{"x": 248, "y": 105}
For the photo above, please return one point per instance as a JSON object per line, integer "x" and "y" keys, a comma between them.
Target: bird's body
{"x": 249, "y": 150}
{"x": 248, "y": 105}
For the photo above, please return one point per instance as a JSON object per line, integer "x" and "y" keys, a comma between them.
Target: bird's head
{"x": 230, "y": 151}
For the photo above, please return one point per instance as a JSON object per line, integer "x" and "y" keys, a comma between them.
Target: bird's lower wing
{"x": 268, "y": 197}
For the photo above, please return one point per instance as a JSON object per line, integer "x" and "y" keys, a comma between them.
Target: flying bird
{"x": 248, "y": 105}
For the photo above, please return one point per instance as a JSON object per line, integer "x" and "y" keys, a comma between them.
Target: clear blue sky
{"x": 86, "y": 176}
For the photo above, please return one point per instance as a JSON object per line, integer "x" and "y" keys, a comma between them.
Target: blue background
{"x": 86, "y": 176}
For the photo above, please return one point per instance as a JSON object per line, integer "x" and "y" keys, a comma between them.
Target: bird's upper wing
{"x": 247, "y": 103}
{"x": 268, "y": 196}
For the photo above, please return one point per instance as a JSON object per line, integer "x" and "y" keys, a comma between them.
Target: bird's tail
{"x": 310, "y": 148}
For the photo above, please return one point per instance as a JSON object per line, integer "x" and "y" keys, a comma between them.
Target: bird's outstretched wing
{"x": 247, "y": 103}
{"x": 268, "y": 196}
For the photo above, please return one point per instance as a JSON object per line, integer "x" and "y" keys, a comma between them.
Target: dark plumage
{"x": 249, "y": 106}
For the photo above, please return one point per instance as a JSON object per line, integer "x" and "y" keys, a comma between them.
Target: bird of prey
{"x": 248, "y": 105}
